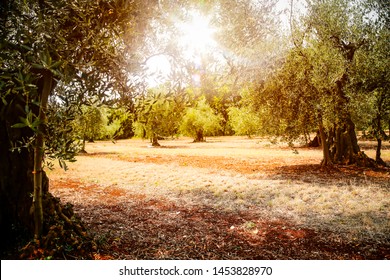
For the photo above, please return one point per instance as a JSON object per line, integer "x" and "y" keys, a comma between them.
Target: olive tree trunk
{"x": 325, "y": 148}
{"x": 16, "y": 177}
{"x": 21, "y": 173}
{"x": 154, "y": 140}
{"x": 199, "y": 137}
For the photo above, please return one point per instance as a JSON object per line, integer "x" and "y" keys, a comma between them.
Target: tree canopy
{"x": 200, "y": 121}
{"x": 86, "y": 46}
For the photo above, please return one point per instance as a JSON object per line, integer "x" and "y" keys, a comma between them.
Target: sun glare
{"x": 196, "y": 34}
{"x": 158, "y": 69}
{"x": 194, "y": 38}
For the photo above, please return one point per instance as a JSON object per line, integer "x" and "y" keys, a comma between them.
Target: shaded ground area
{"x": 126, "y": 226}
{"x": 177, "y": 233}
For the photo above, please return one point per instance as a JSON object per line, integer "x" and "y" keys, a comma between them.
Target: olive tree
{"x": 157, "y": 115}
{"x": 317, "y": 85}
{"x": 45, "y": 44}
{"x": 200, "y": 121}
{"x": 244, "y": 121}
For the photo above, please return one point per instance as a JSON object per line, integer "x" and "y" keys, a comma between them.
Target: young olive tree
{"x": 157, "y": 116}
{"x": 89, "y": 124}
{"x": 200, "y": 121}
{"x": 244, "y": 121}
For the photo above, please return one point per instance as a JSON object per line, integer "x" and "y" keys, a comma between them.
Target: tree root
{"x": 362, "y": 160}
{"x": 64, "y": 235}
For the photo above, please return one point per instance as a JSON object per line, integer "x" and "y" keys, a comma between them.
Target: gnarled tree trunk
{"x": 16, "y": 175}
{"x": 199, "y": 137}
{"x": 21, "y": 173}
{"x": 378, "y": 131}
{"x": 344, "y": 144}
{"x": 325, "y": 148}
{"x": 344, "y": 148}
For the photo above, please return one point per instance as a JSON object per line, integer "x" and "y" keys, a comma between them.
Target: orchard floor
{"x": 227, "y": 198}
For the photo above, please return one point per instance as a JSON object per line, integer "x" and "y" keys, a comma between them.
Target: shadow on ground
{"x": 315, "y": 173}
{"x": 157, "y": 229}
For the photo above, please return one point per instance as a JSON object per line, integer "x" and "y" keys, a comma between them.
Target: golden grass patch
{"x": 236, "y": 173}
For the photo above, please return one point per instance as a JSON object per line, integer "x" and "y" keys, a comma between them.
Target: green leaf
{"x": 4, "y": 101}
{"x": 37, "y": 66}
{"x": 26, "y": 47}
{"x": 19, "y": 125}
{"x": 55, "y": 65}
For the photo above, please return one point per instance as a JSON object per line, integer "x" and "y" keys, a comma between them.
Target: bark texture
{"x": 344, "y": 148}
{"x": 325, "y": 148}
{"x": 16, "y": 173}
{"x": 21, "y": 166}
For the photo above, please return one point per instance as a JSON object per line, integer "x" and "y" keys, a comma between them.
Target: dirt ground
{"x": 229, "y": 198}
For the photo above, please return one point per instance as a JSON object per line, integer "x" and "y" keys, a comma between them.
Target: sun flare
{"x": 193, "y": 39}
{"x": 158, "y": 69}
{"x": 196, "y": 34}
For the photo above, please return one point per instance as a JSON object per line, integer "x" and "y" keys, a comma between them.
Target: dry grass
{"x": 237, "y": 174}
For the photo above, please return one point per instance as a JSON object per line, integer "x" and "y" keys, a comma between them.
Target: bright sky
{"x": 197, "y": 34}
{"x": 158, "y": 69}
{"x": 195, "y": 38}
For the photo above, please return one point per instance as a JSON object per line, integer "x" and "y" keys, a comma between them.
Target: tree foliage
{"x": 200, "y": 121}
{"x": 244, "y": 121}
{"x": 317, "y": 85}
{"x": 46, "y": 43}
{"x": 157, "y": 115}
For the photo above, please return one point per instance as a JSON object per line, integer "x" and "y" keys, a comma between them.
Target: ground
{"x": 227, "y": 198}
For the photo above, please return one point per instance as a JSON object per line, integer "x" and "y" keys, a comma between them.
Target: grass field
{"x": 247, "y": 178}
